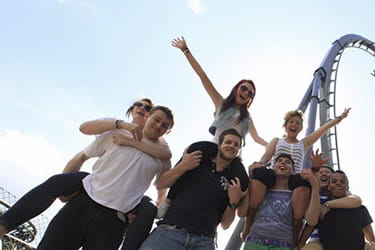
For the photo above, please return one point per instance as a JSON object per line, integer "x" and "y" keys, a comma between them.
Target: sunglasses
{"x": 249, "y": 93}
{"x": 145, "y": 106}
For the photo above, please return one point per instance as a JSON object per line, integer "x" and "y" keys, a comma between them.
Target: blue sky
{"x": 63, "y": 62}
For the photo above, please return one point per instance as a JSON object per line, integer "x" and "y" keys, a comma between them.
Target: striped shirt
{"x": 296, "y": 150}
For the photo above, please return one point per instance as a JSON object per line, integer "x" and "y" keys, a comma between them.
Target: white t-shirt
{"x": 122, "y": 174}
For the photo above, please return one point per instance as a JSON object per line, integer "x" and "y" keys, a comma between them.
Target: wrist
{"x": 185, "y": 50}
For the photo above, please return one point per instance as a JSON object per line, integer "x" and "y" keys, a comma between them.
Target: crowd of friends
{"x": 283, "y": 205}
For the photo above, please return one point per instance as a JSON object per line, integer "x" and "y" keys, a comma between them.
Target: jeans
{"x": 166, "y": 237}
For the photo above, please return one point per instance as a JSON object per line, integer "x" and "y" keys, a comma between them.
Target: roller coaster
{"x": 321, "y": 94}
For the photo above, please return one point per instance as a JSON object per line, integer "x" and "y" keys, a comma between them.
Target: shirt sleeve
{"x": 98, "y": 147}
{"x": 366, "y": 217}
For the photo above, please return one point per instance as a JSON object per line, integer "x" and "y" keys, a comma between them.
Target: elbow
{"x": 225, "y": 226}
{"x": 167, "y": 156}
{"x": 85, "y": 128}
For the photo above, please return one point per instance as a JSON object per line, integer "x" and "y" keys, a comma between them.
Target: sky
{"x": 63, "y": 62}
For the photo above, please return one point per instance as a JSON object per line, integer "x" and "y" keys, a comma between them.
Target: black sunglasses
{"x": 145, "y": 106}
{"x": 249, "y": 93}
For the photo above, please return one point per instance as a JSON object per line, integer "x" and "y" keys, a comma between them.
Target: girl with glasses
{"x": 67, "y": 185}
{"x": 232, "y": 111}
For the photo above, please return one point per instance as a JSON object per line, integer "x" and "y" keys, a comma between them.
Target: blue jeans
{"x": 166, "y": 237}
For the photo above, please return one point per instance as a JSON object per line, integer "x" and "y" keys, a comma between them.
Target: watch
{"x": 232, "y": 205}
{"x": 326, "y": 205}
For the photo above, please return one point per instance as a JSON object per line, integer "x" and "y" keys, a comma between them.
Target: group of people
{"x": 282, "y": 204}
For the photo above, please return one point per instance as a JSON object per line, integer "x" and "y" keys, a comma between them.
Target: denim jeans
{"x": 166, "y": 237}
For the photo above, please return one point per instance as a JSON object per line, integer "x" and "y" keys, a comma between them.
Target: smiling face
{"x": 230, "y": 146}
{"x": 244, "y": 93}
{"x": 324, "y": 174}
{"x": 293, "y": 126}
{"x": 283, "y": 166}
{"x": 157, "y": 124}
{"x": 338, "y": 185}
{"x": 141, "y": 110}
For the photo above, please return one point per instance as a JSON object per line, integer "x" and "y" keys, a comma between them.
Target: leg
{"x": 67, "y": 229}
{"x": 139, "y": 229}
{"x": 105, "y": 231}
{"x": 39, "y": 199}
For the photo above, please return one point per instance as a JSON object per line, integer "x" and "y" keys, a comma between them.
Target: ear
{"x": 168, "y": 131}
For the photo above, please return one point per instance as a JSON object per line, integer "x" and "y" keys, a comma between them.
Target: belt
{"x": 269, "y": 242}
{"x": 193, "y": 232}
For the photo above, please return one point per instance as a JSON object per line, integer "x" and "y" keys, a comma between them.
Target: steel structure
{"x": 321, "y": 93}
{"x": 25, "y": 236}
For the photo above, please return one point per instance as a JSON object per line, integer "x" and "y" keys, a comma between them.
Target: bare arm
{"x": 270, "y": 150}
{"x": 312, "y": 211}
{"x": 243, "y": 206}
{"x": 254, "y": 134}
{"x": 369, "y": 233}
{"x": 76, "y": 162}
{"x": 189, "y": 161}
{"x": 162, "y": 195}
{"x": 350, "y": 201}
{"x": 235, "y": 195}
{"x": 215, "y": 96}
{"x": 96, "y": 127}
{"x": 159, "y": 151}
{"x": 309, "y": 140}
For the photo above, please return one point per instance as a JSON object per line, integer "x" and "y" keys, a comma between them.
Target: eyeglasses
{"x": 145, "y": 106}
{"x": 249, "y": 93}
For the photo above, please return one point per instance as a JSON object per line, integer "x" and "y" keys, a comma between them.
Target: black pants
{"x": 84, "y": 223}
{"x": 41, "y": 197}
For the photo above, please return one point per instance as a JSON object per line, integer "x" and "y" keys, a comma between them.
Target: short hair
{"x": 230, "y": 131}
{"x": 283, "y": 155}
{"x": 291, "y": 114}
{"x": 339, "y": 172}
{"x": 166, "y": 111}
{"x": 130, "y": 109}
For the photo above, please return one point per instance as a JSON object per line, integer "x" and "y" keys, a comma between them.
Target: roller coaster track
{"x": 322, "y": 92}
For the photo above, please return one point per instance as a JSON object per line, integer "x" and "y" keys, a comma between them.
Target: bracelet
{"x": 326, "y": 205}
{"x": 338, "y": 119}
{"x": 185, "y": 50}
{"x": 117, "y": 124}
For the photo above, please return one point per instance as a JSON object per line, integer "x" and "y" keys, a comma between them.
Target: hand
{"x": 234, "y": 191}
{"x": 309, "y": 176}
{"x": 323, "y": 211}
{"x": 179, "y": 43}
{"x": 131, "y": 217}
{"x": 317, "y": 160}
{"x": 344, "y": 114}
{"x": 123, "y": 140}
{"x": 191, "y": 160}
{"x": 68, "y": 197}
{"x": 245, "y": 232}
{"x": 254, "y": 165}
{"x": 136, "y": 131}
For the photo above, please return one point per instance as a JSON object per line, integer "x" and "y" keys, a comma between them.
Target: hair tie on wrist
{"x": 117, "y": 124}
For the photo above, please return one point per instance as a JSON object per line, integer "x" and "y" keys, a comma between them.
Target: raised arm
{"x": 159, "y": 151}
{"x": 312, "y": 211}
{"x": 215, "y": 96}
{"x": 96, "y": 127}
{"x": 309, "y": 140}
{"x": 254, "y": 134}
{"x": 270, "y": 150}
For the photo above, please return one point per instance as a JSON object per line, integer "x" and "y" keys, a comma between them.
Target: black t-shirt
{"x": 342, "y": 228}
{"x": 199, "y": 197}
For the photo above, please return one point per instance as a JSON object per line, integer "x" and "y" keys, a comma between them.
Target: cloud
{"x": 32, "y": 155}
{"x": 197, "y": 6}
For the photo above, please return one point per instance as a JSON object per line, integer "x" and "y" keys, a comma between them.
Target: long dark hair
{"x": 231, "y": 100}
{"x": 130, "y": 109}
